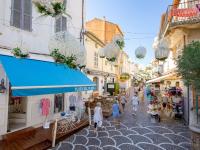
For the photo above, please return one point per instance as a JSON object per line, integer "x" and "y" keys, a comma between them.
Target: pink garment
{"x": 45, "y": 103}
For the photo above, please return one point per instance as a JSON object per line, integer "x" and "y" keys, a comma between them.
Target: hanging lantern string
{"x": 7, "y": 23}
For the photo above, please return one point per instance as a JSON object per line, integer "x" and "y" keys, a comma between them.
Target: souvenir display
{"x": 106, "y": 104}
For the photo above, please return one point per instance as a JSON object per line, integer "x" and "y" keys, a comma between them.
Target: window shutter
{"x": 16, "y": 13}
{"x": 27, "y": 15}
{"x": 58, "y": 25}
{"x": 64, "y": 23}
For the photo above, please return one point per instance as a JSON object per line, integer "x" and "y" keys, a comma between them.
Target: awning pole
{"x": 54, "y": 133}
{"x": 90, "y": 117}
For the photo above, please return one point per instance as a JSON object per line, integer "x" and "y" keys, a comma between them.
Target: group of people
{"x": 118, "y": 108}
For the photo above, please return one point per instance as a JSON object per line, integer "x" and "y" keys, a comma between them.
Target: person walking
{"x": 123, "y": 101}
{"x": 115, "y": 112}
{"x": 98, "y": 116}
{"x": 141, "y": 94}
{"x": 135, "y": 102}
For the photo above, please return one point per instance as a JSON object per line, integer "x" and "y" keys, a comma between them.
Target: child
{"x": 115, "y": 111}
{"x": 135, "y": 102}
{"x": 98, "y": 116}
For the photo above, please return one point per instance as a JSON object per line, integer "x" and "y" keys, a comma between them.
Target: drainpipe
{"x": 82, "y": 26}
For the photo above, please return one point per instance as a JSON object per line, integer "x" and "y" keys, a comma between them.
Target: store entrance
{"x": 17, "y": 113}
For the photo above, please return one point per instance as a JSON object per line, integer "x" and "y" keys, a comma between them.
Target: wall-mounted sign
{"x": 185, "y": 12}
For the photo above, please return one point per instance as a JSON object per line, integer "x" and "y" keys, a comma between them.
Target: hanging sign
{"x": 185, "y": 12}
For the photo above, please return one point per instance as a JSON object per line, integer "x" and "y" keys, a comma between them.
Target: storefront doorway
{"x": 17, "y": 113}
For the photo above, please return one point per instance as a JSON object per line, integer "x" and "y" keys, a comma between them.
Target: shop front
{"x": 172, "y": 95}
{"x": 36, "y": 92}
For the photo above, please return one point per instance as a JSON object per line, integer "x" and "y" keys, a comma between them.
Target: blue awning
{"x": 30, "y": 77}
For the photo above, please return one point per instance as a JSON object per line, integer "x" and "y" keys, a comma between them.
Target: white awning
{"x": 162, "y": 78}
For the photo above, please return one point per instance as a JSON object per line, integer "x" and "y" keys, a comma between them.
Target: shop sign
{"x": 185, "y": 12}
{"x": 78, "y": 89}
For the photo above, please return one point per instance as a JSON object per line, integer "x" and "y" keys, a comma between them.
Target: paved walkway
{"x": 134, "y": 133}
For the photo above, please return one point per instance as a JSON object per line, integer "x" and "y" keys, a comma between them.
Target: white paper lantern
{"x": 68, "y": 45}
{"x": 101, "y": 53}
{"x": 162, "y": 51}
{"x": 140, "y": 52}
{"x": 111, "y": 50}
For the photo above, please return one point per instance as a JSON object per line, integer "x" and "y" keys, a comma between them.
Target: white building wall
{"x": 35, "y": 41}
{"x": 42, "y": 27}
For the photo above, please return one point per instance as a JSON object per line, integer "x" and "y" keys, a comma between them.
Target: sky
{"x": 138, "y": 19}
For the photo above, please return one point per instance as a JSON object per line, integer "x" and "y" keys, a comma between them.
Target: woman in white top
{"x": 98, "y": 116}
{"x": 135, "y": 102}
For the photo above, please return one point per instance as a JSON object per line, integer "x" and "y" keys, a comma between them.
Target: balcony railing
{"x": 181, "y": 14}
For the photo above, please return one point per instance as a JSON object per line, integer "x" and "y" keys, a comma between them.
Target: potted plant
{"x": 51, "y": 8}
{"x": 17, "y": 52}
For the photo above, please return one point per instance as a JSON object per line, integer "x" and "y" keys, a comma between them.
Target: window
{"x": 61, "y": 24}
{"x": 21, "y": 14}
{"x": 58, "y": 103}
{"x": 96, "y": 59}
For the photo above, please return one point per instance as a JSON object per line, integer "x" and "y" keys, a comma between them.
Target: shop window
{"x": 21, "y": 14}
{"x": 58, "y": 103}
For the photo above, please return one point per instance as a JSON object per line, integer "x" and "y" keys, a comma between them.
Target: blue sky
{"x": 138, "y": 19}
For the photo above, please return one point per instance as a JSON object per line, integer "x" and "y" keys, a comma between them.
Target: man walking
{"x": 123, "y": 101}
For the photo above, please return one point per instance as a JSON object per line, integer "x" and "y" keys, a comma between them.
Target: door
{"x": 4, "y": 94}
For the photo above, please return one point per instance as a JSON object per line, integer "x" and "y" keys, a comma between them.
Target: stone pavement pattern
{"x": 134, "y": 133}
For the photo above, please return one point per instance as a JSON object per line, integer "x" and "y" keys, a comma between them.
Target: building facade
{"x": 105, "y": 31}
{"x": 180, "y": 25}
{"x": 98, "y": 69}
{"x": 22, "y": 26}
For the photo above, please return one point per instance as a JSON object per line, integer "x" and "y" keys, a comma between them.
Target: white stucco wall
{"x": 35, "y": 41}
{"x": 42, "y": 27}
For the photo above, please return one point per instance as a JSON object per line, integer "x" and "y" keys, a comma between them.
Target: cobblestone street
{"x": 134, "y": 133}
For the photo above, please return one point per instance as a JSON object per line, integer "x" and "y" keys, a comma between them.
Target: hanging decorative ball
{"x": 140, "y": 52}
{"x": 162, "y": 51}
{"x": 111, "y": 51}
{"x": 68, "y": 45}
{"x": 101, "y": 53}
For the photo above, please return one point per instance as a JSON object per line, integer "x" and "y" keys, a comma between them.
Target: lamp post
{"x": 102, "y": 56}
